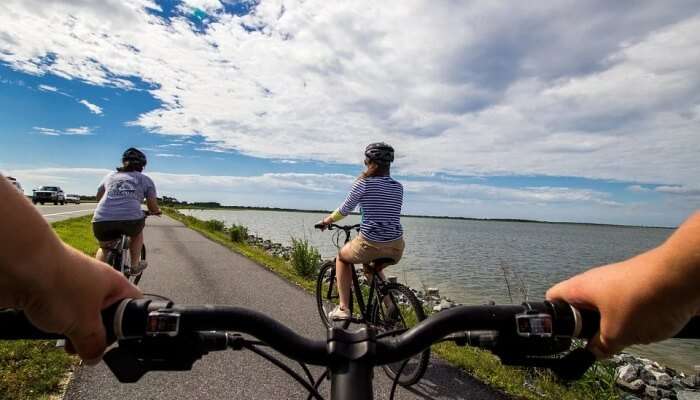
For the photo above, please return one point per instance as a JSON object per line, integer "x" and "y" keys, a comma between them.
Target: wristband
{"x": 336, "y": 216}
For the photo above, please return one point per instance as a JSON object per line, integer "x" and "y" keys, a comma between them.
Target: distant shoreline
{"x": 208, "y": 206}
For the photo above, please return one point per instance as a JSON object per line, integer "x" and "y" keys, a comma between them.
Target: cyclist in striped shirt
{"x": 380, "y": 198}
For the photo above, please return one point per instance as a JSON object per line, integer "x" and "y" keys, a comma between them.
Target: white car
{"x": 73, "y": 198}
{"x": 16, "y": 184}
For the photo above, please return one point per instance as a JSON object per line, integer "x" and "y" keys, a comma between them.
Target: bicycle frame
{"x": 365, "y": 309}
{"x": 117, "y": 247}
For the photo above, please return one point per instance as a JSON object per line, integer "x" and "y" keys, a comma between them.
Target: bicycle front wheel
{"x": 326, "y": 291}
{"x": 398, "y": 310}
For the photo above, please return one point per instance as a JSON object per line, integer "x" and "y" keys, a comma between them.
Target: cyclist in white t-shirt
{"x": 119, "y": 212}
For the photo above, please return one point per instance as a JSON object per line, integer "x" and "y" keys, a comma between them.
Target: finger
{"x": 562, "y": 291}
{"x": 89, "y": 341}
{"x": 118, "y": 288}
{"x": 601, "y": 348}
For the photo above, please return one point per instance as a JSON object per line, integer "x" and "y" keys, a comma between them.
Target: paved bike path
{"x": 190, "y": 269}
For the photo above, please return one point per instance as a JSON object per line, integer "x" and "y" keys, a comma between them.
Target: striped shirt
{"x": 380, "y": 199}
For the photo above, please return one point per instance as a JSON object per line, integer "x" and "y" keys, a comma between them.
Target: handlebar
{"x": 159, "y": 335}
{"x": 330, "y": 227}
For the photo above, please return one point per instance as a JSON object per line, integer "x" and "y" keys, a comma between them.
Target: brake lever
{"x": 135, "y": 357}
{"x": 574, "y": 364}
{"x": 568, "y": 367}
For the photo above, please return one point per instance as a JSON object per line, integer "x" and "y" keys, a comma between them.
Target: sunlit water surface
{"x": 470, "y": 260}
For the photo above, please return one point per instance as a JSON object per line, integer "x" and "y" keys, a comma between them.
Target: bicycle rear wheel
{"x": 114, "y": 259}
{"x": 326, "y": 291}
{"x": 135, "y": 279}
{"x": 399, "y": 309}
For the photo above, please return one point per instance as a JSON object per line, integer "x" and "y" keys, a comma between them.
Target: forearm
{"x": 678, "y": 259}
{"x": 152, "y": 204}
{"x": 26, "y": 242}
{"x": 335, "y": 216}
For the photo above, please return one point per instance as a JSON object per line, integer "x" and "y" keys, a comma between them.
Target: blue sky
{"x": 563, "y": 112}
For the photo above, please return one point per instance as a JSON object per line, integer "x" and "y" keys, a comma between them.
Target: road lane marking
{"x": 67, "y": 212}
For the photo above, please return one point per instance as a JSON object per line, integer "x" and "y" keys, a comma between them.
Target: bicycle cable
{"x": 157, "y": 296}
{"x": 396, "y": 379}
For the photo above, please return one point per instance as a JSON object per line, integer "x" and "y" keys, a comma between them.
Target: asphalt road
{"x": 56, "y": 213}
{"x": 190, "y": 269}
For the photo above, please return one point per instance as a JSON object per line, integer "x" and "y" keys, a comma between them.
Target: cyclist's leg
{"x": 105, "y": 232}
{"x": 134, "y": 229}
{"x": 391, "y": 250}
{"x": 101, "y": 255}
{"x": 343, "y": 275}
{"x": 135, "y": 247}
{"x": 356, "y": 251}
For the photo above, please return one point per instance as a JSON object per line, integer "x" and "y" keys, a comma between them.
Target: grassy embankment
{"x": 36, "y": 369}
{"x": 598, "y": 383}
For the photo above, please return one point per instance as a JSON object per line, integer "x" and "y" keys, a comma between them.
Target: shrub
{"x": 305, "y": 258}
{"x": 238, "y": 233}
{"x": 215, "y": 225}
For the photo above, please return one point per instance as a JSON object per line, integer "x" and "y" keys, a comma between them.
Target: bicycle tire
{"x": 135, "y": 279}
{"x": 326, "y": 291}
{"x": 411, "y": 313}
{"x": 113, "y": 259}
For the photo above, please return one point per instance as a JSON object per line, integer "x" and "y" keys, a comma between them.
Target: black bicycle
{"x": 157, "y": 335}
{"x": 390, "y": 307}
{"x": 119, "y": 256}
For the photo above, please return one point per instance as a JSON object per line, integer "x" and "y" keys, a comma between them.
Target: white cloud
{"x": 638, "y": 189}
{"x": 95, "y": 109}
{"x": 448, "y": 192}
{"x": 207, "y": 5}
{"x": 338, "y": 184}
{"x": 47, "y": 88}
{"x": 602, "y": 91}
{"x": 79, "y": 131}
{"x": 679, "y": 190}
{"x": 168, "y": 155}
{"x": 326, "y": 191}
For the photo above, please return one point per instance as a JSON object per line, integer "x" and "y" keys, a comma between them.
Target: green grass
{"x": 36, "y": 369}
{"x": 238, "y": 233}
{"x": 305, "y": 258}
{"x": 521, "y": 383}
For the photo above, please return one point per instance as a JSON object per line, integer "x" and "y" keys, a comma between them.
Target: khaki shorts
{"x": 363, "y": 251}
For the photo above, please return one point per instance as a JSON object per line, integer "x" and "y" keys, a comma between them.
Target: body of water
{"x": 473, "y": 262}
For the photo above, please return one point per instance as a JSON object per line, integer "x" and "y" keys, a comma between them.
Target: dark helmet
{"x": 380, "y": 153}
{"x": 134, "y": 157}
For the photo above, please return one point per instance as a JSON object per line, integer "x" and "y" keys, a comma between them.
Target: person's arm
{"x": 645, "y": 299}
{"x": 351, "y": 201}
{"x": 100, "y": 193}
{"x": 101, "y": 189}
{"x": 151, "y": 197}
{"x": 60, "y": 289}
{"x": 152, "y": 204}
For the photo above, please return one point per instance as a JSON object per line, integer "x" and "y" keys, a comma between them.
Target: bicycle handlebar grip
{"x": 590, "y": 325}
{"x": 16, "y": 326}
